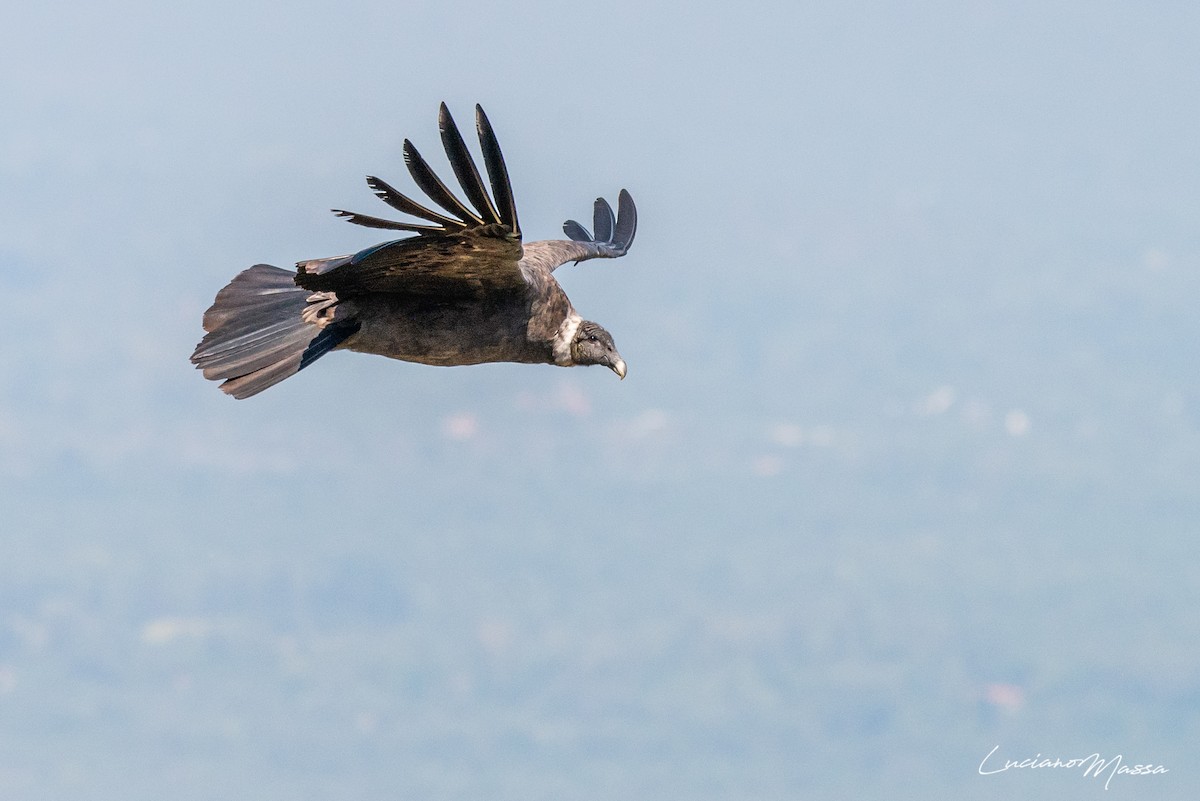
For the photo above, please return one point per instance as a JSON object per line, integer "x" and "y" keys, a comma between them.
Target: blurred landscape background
{"x": 905, "y": 467}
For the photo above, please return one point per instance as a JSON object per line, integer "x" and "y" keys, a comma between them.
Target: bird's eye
{"x": 592, "y": 338}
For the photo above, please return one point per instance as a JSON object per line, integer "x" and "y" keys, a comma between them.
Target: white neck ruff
{"x": 562, "y": 340}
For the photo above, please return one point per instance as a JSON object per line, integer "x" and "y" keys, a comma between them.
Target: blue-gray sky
{"x": 910, "y": 330}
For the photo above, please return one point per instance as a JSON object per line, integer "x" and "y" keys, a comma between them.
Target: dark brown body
{"x": 495, "y": 327}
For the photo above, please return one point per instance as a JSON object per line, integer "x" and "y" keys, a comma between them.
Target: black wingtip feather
{"x": 368, "y": 221}
{"x": 459, "y": 216}
{"x": 464, "y": 167}
{"x": 626, "y": 220}
{"x": 402, "y": 203}
{"x": 577, "y": 232}
{"x": 424, "y": 177}
{"x": 603, "y": 220}
{"x": 497, "y": 171}
{"x": 614, "y": 233}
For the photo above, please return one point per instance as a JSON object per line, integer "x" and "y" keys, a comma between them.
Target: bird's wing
{"x": 613, "y": 236}
{"x": 463, "y": 250}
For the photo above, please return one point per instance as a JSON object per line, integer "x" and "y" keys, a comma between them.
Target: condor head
{"x": 594, "y": 345}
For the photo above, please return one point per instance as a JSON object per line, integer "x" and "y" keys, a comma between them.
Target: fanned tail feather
{"x": 258, "y": 333}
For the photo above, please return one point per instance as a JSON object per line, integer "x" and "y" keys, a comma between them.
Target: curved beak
{"x": 618, "y": 367}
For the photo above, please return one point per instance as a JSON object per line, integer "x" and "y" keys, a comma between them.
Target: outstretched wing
{"x": 612, "y": 238}
{"x": 460, "y": 249}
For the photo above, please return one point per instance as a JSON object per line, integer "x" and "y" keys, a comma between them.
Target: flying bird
{"x": 465, "y": 289}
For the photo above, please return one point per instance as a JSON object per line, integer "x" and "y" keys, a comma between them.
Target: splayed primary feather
{"x": 424, "y": 177}
{"x": 497, "y": 171}
{"x": 464, "y": 167}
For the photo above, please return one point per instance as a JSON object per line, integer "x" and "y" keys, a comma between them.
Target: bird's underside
{"x": 464, "y": 289}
